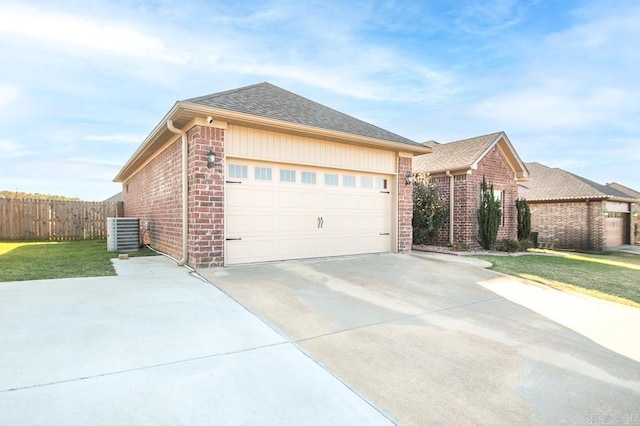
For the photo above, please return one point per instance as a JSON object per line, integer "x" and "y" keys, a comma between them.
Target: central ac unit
{"x": 123, "y": 234}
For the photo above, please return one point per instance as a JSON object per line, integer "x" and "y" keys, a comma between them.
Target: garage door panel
{"x": 262, "y": 197}
{"x": 296, "y": 223}
{"x": 273, "y": 220}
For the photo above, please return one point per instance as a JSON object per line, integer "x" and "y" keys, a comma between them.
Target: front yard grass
{"x": 20, "y": 260}
{"x": 612, "y": 276}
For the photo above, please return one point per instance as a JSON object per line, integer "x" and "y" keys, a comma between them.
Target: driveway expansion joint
{"x": 146, "y": 367}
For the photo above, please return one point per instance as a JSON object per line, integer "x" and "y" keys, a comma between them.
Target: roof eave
{"x": 148, "y": 141}
{"x": 146, "y": 149}
{"x": 235, "y": 117}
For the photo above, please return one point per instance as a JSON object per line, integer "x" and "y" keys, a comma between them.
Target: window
{"x": 331, "y": 179}
{"x": 381, "y": 183}
{"x": 349, "y": 181}
{"x": 366, "y": 182}
{"x": 308, "y": 177}
{"x": 287, "y": 175}
{"x": 499, "y": 197}
{"x": 263, "y": 173}
{"x": 237, "y": 171}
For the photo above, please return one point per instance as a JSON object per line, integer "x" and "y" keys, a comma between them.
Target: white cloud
{"x": 10, "y": 149}
{"x": 83, "y": 32}
{"x": 548, "y": 109}
{"x": 8, "y": 94}
{"x": 116, "y": 137}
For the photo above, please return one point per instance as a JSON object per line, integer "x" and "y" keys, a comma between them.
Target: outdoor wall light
{"x": 605, "y": 213}
{"x": 211, "y": 158}
{"x": 408, "y": 180}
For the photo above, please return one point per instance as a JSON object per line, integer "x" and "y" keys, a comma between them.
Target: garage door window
{"x": 263, "y": 173}
{"x": 381, "y": 183}
{"x": 366, "y": 182}
{"x": 287, "y": 175}
{"x": 331, "y": 179}
{"x": 309, "y": 177}
{"x": 237, "y": 171}
{"x": 349, "y": 181}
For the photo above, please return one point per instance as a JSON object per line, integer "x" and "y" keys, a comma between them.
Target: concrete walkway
{"x": 631, "y": 249}
{"x": 155, "y": 345}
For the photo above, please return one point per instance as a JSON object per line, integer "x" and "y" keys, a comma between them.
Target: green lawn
{"x": 21, "y": 260}
{"x": 607, "y": 275}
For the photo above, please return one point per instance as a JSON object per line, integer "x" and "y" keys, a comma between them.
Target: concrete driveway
{"x": 428, "y": 340}
{"x": 155, "y": 346}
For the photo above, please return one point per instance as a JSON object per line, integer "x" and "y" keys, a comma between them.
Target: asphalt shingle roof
{"x": 454, "y": 155}
{"x": 546, "y": 183}
{"x": 624, "y": 189}
{"x": 269, "y": 101}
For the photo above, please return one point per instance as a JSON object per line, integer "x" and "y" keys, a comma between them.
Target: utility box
{"x": 123, "y": 234}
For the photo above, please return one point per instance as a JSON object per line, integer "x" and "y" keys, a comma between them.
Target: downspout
{"x": 451, "y": 204}
{"x": 185, "y": 192}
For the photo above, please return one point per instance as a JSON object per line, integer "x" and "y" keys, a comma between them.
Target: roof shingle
{"x": 457, "y": 155}
{"x": 546, "y": 183}
{"x": 269, "y": 101}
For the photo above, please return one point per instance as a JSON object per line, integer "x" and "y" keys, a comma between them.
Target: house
{"x": 571, "y": 212}
{"x": 457, "y": 169}
{"x": 116, "y": 198}
{"x": 261, "y": 174}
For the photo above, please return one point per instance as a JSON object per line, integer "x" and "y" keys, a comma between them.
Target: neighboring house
{"x": 269, "y": 175}
{"x": 458, "y": 168}
{"x": 571, "y": 212}
{"x": 635, "y": 211}
{"x": 116, "y": 198}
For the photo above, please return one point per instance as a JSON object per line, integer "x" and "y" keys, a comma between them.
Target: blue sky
{"x": 83, "y": 83}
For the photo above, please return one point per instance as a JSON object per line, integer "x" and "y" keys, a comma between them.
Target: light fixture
{"x": 408, "y": 180}
{"x": 605, "y": 213}
{"x": 211, "y": 158}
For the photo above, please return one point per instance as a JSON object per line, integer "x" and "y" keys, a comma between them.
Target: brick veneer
{"x": 154, "y": 194}
{"x": 495, "y": 167}
{"x": 405, "y": 206}
{"x": 206, "y": 197}
{"x": 575, "y": 225}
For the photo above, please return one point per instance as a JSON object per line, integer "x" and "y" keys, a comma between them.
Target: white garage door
{"x": 280, "y": 211}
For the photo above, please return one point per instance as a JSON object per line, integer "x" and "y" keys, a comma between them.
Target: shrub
{"x": 489, "y": 216}
{"x": 524, "y": 220}
{"x": 508, "y": 245}
{"x": 429, "y": 211}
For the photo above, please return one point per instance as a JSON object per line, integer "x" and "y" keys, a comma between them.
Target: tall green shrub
{"x": 429, "y": 210}
{"x": 489, "y": 216}
{"x": 524, "y": 219}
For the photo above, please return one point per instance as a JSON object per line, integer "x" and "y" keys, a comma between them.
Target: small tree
{"x": 429, "y": 211}
{"x": 524, "y": 220}
{"x": 489, "y": 216}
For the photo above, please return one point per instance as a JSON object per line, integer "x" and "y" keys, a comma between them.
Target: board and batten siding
{"x": 243, "y": 142}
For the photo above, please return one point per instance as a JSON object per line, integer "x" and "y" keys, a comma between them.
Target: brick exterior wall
{"x": 405, "y": 206}
{"x": 495, "y": 167}
{"x": 575, "y": 225}
{"x": 154, "y": 194}
{"x": 206, "y": 197}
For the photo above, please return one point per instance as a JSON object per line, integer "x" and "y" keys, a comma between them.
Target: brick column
{"x": 405, "y": 204}
{"x": 206, "y": 197}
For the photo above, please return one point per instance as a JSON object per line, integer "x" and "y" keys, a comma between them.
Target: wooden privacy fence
{"x": 27, "y": 219}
